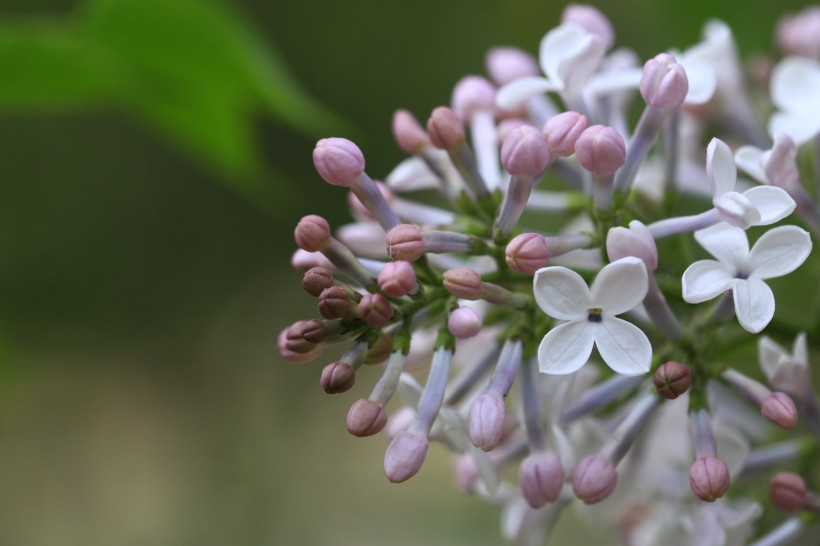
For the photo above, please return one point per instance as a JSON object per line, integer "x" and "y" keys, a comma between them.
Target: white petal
{"x": 702, "y": 82}
{"x": 566, "y": 348}
{"x": 558, "y": 44}
{"x": 720, "y": 168}
{"x": 801, "y": 126}
{"x": 732, "y": 447}
{"x": 779, "y": 252}
{"x": 770, "y": 355}
{"x": 614, "y": 80}
{"x": 750, "y": 160}
{"x": 516, "y": 92}
{"x": 620, "y": 286}
{"x": 801, "y": 349}
{"x": 412, "y": 174}
{"x": 771, "y": 202}
{"x": 795, "y": 84}
{"x": 363, "y": 238}
{"x": 737, "y": 209}
{"x": 576, "y": 70}
{"x": 726, "y": 243}
{"x": 623, "y": 346}
{"x": 561, "y": 293}
{"x": 754, "y": 304}
{"x": 705, "y": 280}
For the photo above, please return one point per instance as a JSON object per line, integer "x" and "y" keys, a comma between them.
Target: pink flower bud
{"x": 397, "y": 278}
{"x": 410, "y": 136}
{"x": 505, "y": 64}
{"x": 524, "y": 152}
{"x": 799, "y": 33}
{"x": 312, "y": 233}
{"x": 507, "y": 126}
{"x": 591, "y": 20}
{"x": 527, "y": 253}
{"x": 404, "y": 456}
{"x": 473, "y": 93}
{"x": 334, "y": 302}
{"x": 366, "y": 418}
{"x": 709, "y": 478}
{"x": 594, "y": 479}
{"x": 338, "y": 161}
{"x": 314, "y": 331}
{"x": 463, "y": 282}
{"x": 445, "y": 128}
{"x": 337, "y": 377}
{"x": 601, "y": 150}
{"x": 464, "y": 323}
{"x": 672, "y": 379}
{"x": 787, "y": 491}
{"x": 295, "y": 341}
{"x": 541, "y": 477}
{"x": 375, "y": 310}
{"x": 316, "y": 279}
{"x": 664, "y": 83}
{"x": 779, "y": 409}
{"x": 405, "y": 242}
{"x": 287, "y": 354}
{"x": 486, "y": 421}
{"x": 562, "y": 132}
{"x": 636, "y": 241}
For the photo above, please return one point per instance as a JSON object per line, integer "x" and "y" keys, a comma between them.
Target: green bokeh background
{"x": 144, "y": 261}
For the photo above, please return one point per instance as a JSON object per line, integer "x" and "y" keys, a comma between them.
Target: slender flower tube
{"x": 467, "y": 284}
{"x": 474, "y": 100}
{"x": 446, "y": 130}
{"x": 313, "y": 234}
{"x": 409, "y": 243}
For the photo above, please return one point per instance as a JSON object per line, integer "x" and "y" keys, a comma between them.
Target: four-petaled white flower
{"x": 778, "y": 252}
{"x": 788, "y": 372}
{"x": 758, "y": 206}
{"x": 794, "y": 87}
{"x": 562, "y": 294}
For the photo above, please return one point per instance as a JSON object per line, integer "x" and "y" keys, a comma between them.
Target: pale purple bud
{"x": 594, "y": 479}
{"x": 404, "y": 456}
{"x": 601, "y": 150}
{"x": 473, "y": 93}
{"x": 410, "y": 136}
{"x": 463, "y": 323}
{"x": 524, "y": 152}
{"x": 709, "y": 478}
{"x": 295, "y": 341}
{"x": 507, "y": 126}
{"x": 334, "y": 302}
{"x": 591, "y": 20}
{"x": 463, "y": 282}
{"x": 366, "y": 418}
{"x": 664, "y": 83}
{"x": 635, "y": 241}
{"x": 375, "y": 311}
{"x": 397, "y": 278}
{"x": 799, "y": 33}
{"x": 672, "y": 379}
{"x": 505, "y": 64}
{"x": 446, "y": 129}
{"x": 337, "y": 377}
{"x": 527, "y": 253}
{"x": 486, "y": 421}
{"x": 287, "y": 354}
{"x": 405, "y": 242}
{"x": 316, "y": 279}
{"x": 338, "y": 160}
{"x": 541, "y": 477}
{"x": 779, "y": 409}
{"x": 787, "y": 491}
{"x": 312, "y": 233}
{"x": 562, "y": 132}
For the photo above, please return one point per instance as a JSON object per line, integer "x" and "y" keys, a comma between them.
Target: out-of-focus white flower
{"x": 794, "y": 87}
{"x": 788, "y": 372}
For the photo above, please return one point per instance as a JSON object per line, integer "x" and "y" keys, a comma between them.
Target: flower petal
{"x": 726, "y": 243}
{"x": 517, "y": 91}
{"x": 623, "y": 346}
{"x": 620, "y": 286}
{"x": 561, "y": 293}
{"x": 771, "y": 202}
{"x": 702, "y": 82}
{"x": 608, "y": 82}
{"x": 720, "y": 168}
{"x": 800, "y": 126}
{"x": 566, "y": 348}
{"x": 770, "y": 356}
{"x": 558, "y": 44}
{"x": 800, "y": 351}
{"x": 750, "y": 160}
{"x": 779, "y": 252}
{"x": 754, "y": 304}
{"x": 412, "y": 174}
{"x": 737, "y": 209}
{"x": 795, "y": 83}
{"x": 705, "y": 280}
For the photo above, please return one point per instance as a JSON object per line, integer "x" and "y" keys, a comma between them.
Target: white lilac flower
{"x": 590, "y": 314}
{"x": 794, "y": 88}
{"x": 778, "y": 252}
{"x": 786, "y": 371}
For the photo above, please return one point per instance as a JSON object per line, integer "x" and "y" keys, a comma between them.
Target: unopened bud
{"x": 664, "y": 83}
{"x": 287, "y": 354}
{"x": 316, "y": 279}
{"x": 594, "y": 479}
{"x": 404, "y": 456}
{"x": 445, "y": 128}
{"x": 337, "y": 377}
{"x": 524, "y": 152}
{"x": 541, "y": 477}
{"x": 334, "y": 302}
{"x": 591, "y": 20}
{"x": 463, "y": 323}
{"x": 312, "y": 233}
{"x": 709, "y": 478}
{"x": 601, "y": 150}
{"x": 787, "y": 491}
{"x": 486, "y": 421}
{"x": 779, "y": 409}
{"x": 506, "y": 64}
{"x": 672, "y": 379}
{"x": 315, "y": 331}
{"x": 397, "y": 278}
{"x": 375, "y": 310}
{"x": 463, "y": 282}
{"x": 527, "y": 253}
{"x": 563, "y": 131}
{"x": 410, "y": 136}
{"x": 635, "y": 241}
{"x": 295, "y": 341}
{"x": 405, "y": 242}
{"x": 366, "y": 418}
{"x": 473, "y": 93}
{"x": 338, "y": 160}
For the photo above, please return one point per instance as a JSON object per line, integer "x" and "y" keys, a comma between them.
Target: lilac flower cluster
{"x": 456, "y": 291}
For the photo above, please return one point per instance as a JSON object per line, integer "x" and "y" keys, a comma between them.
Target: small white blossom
{"x": 794, "y": 87}
{"x": 786, "y": 371}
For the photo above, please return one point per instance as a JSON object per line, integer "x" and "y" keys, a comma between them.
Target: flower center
{"x": 594, "y": 314}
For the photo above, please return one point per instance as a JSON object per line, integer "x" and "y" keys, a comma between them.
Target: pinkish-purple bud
{"x": 594, "y": 478}
{"x": 672, "y": 379}
{"x": 445, "y": 128}
{"x": 709, "y": 478}
{"x": 787, "y": 491}
{"x": 505, "y": 64}
{"x": 527, "y": 253}
{"x": 295, "y": 341}
{"x": 410, "y": 136}
{"x": 541, "y": 477}
{"x": 314, "y": 331}
{"x": 337, "y": 377}
{"x": 375, "y": 310}
{"x": 405, "y": 242}
{"x": 779, "y": 409}
{"x": 664, "y": 83}
{"x": 404, "y": 456}
{"x": 473, "y": 93}
{"x": 486, "y": 421}
{"x": 334, "y": 302}
{"x": 312, "y": 233}
{"x": 316, "y": 279}
{"x": 601, "y": 150}
{"x": 562, "y": 132}
{"x": 463, "y": 282}
{"x": 338, "y": 161}
{"x": 287, "y": 354}
{"x": 799, "y": 33}
{"x": 524, "y": 152}
{"x": 507, "y": 126}
{"x": 397, "y": 278}
{"x": 366, "y": 418}
{"x": 591, "y": 20}
{"x": 463, "y": 323}
{"x": 634, "y": 241}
